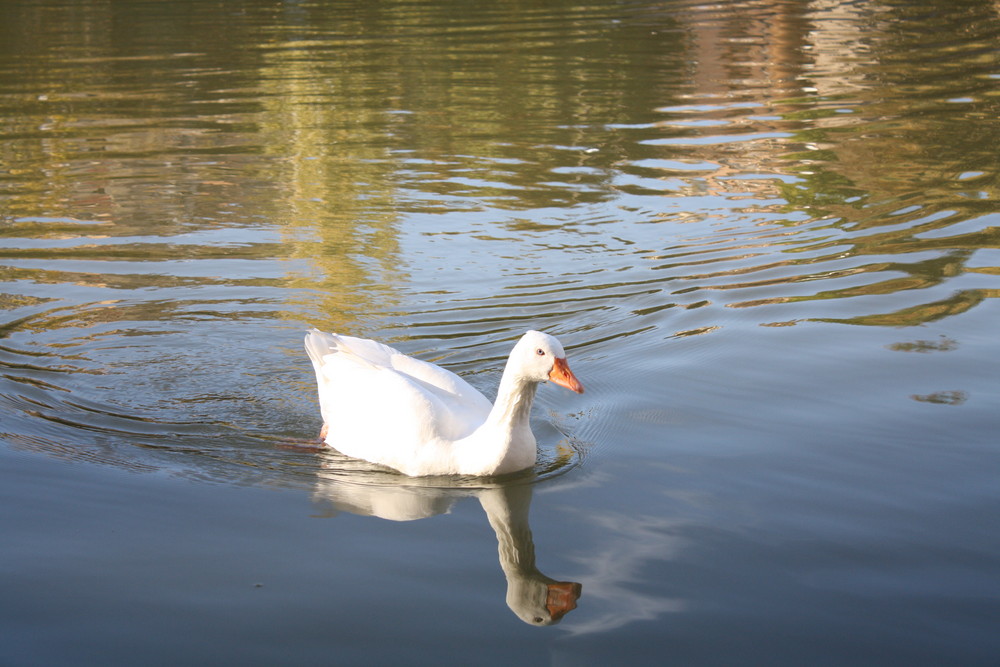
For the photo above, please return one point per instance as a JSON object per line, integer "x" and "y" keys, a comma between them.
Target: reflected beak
{"x": 563, "y": 376}
{"x": 562, "y": 598}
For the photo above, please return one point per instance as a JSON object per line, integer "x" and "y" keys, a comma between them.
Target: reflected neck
{"x": 507, "y": 511}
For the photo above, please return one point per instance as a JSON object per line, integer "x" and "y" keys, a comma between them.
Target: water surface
{"x": 766, "y": 233}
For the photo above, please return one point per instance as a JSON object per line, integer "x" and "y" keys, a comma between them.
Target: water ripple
{"x": 160, "y": 249}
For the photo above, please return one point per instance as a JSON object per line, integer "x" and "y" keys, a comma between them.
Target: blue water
{"x": 764, "y": 231}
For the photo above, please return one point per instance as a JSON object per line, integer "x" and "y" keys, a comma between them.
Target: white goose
{"x": 385, "y": 407}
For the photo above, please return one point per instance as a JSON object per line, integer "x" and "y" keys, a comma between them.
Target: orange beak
{"x": 563, "y": 376}
{"x": 562, "y": 598}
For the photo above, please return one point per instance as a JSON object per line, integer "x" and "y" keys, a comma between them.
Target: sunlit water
{"x": 766, "y": 233}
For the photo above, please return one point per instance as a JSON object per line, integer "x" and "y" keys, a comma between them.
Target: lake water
{"x": 767, "y": 232}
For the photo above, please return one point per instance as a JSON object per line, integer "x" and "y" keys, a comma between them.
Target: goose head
{"x": 538, "y": 357}
{"x": 539, "y": 600}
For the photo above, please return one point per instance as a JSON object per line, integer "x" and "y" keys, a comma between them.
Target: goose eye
{"x": 540, "y": 352}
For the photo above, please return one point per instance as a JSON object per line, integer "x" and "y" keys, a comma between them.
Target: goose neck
{"x": 514, "y": 399}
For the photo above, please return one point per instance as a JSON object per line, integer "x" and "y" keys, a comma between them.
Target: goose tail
{"x": 318, "y": 345}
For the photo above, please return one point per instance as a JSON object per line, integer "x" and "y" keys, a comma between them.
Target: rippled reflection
{"x": 803, "y": 167}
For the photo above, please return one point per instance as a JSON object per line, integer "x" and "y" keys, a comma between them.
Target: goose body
{"x": 383, "y": 406}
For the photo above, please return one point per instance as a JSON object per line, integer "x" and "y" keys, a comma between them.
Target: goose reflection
{"x": 534, "y": 597}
